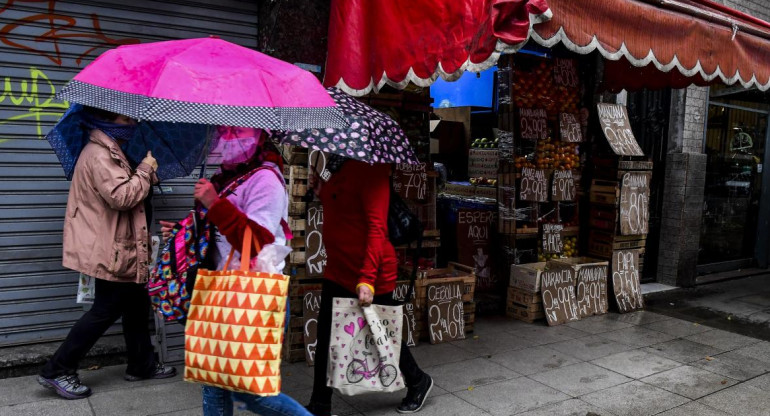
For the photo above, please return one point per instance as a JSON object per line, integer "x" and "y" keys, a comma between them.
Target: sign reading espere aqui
{"x": 614, "y": 122}
{"x": 446, "y": 321}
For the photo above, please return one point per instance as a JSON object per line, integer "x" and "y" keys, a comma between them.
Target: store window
{"x": 735, "y": 146}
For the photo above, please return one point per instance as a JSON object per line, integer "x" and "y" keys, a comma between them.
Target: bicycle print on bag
{"x": 365, "y": 347}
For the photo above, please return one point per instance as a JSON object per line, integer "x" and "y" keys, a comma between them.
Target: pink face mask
{"x": 235, "y": 145}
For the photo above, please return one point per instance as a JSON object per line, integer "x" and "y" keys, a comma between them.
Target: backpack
{"x": 172, "y": 279}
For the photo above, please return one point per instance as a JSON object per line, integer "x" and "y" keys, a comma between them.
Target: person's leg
{"x": 217, "y": 402}
{"x": 322, "y": 395}
{"x": 406, "y": 363}
{"x": 135, "y": 309}
{"x": 86, "y": 331}
{"x": 280, "y": 405}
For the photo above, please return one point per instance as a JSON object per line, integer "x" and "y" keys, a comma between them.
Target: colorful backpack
{"x": 173, "y": 277}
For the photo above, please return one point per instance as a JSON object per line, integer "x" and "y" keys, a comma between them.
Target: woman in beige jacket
{"x": 106, "y": 236}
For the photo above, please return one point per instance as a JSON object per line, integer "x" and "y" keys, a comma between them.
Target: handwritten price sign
{"x": 635, "y": 203}
{"x": 617, "y": 129}
{"x": 533, "y": 123}
{"x": 411, "y": 181}
{"x": 569, "y": 128}
{"x": 533, "y": 186}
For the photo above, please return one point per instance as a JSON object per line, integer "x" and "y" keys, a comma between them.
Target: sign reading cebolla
{"x": 446, "y": 318}
{"x": 613, "y": 119}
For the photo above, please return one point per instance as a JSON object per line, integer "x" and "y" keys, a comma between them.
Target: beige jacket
{"x": 105, "y": 228}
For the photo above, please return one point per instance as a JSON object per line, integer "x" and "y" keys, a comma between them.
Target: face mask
{"x": 231, "y": 152}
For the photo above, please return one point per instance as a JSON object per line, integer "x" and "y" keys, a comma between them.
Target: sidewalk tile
{"x": 57, "y": 407}
{"x": 733, "y": 365}
{"x": 572, "y": 407}
{"x": 740, "y": 400}
{"x": 195, "y": 411}
{"x": 725, "y": 341}
{"x": 682, "y": 350}
{"x": 295, "y": 379}
{"x": 428, "y": 355}
{"x": 579, "y": 379}
{"x": 493, "y": 343}
{"x": 636, "y": 363}
{"x": 25, "y": 389}
{"x": 477, "y": 372}
{"x": 761, "y": 382}
{"x": 759, "y": 351}
{"x": 693, "y": 408}
{"x": 637, "y": 336}
{"x": 111, "y": 378}
{"x": 446, "y": 405}
{"x": 134, "y": 401}
{"x": 677, "y": 327}
{"x": 690, "y": 382}
{"x": 534, "y": 360}
{"x": 512, "y": 396}
{"x": 635, "y": 399}
{"x": 541, "y": 334}
{"x": 590, "y": 347}
{"x": 641, "y": 317}
{"x": 598, "y": 324}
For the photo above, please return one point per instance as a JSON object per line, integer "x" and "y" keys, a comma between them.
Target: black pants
{"x": 113, "y": 300}
{"x": 323, "y": 394}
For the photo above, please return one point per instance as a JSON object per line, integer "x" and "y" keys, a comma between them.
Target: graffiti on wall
{"x": 32, "y": 99}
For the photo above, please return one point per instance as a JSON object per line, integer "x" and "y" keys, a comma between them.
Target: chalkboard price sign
{"x": 625, "y": 280}
{"x": 563, "y": 186}
{"x": 635, "y": 203}
{"x": 557, "y": 286}
{"x": 533, "y": 123}
{"x": 592, "y": 290}
{"x": 400, "y": 293}
{"x": 311, "y": 305}
{"x": 411, "y": 181}
{"x": 570, "y": 128}
{"x": 445, "y": 312}
{"x": 565, "y": 72}
{"x": 317, "y": 164}
{"x": 617, "y": 129}
{"x": 533, "y": 186}
{"x": 474, "y": 238}
{"x": 315, "y": 253}
{"x": 552, "y": 243}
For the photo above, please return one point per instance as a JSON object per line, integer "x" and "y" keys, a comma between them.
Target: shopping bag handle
{"x": 248, "y": 237}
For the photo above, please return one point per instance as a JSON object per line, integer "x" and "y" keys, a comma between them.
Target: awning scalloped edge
{"x": 622, "y": 52}
{"x": 500, "y": 48}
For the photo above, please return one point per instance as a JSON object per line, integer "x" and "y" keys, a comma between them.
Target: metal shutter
{"x": 41, "y": 49}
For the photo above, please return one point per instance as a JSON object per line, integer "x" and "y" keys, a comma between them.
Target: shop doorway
{"x": 735, "y": 144}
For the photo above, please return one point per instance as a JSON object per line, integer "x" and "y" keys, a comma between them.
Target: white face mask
{"x": 231, "y": 152}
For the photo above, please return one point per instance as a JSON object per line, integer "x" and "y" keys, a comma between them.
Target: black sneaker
{"x": 161, "y": 371}
{"x": 318, "y": 409}
{"x": 416, "y": 396}
{"x": 68, "y": 387}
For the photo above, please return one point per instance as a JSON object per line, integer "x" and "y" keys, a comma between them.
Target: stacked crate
{"x": 604, "y": 227}
{"x": 524, "y": 300}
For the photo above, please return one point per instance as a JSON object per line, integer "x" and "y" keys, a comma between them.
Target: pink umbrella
{"x": 206, "y": 81}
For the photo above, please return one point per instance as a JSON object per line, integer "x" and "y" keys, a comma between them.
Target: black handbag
{"x": 404, "y": 228}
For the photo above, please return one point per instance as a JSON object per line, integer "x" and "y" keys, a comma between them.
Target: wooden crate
{"x": 613, "y": 168}
{"x": 523, "y": 298}
{"x": 601, "y": 244}
{"x": 605, "y": 192}
{"x": 524, "y": 313}
{"x": 297, "y": 208}
{"x": 294, "y": 155}
{"x": 604, "y": 217}
{"x": 454, "y": 272}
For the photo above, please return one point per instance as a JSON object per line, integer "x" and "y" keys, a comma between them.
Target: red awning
{"x": 699, "y": 38}
{"x": 373, "y": 43}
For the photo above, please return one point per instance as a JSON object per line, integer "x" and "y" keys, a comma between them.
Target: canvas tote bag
{"x": 365, "y": 348}
{"x": 235, "y": 327}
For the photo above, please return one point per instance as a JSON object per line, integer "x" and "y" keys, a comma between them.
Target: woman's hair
{"x": 100, "y": 114}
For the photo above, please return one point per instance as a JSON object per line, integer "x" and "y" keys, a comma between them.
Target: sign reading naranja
{"x": 625, "y": 280}
{"x": 613, "y": 119}
{"x": 446, "y": 320}
{"x": 557, "y": 287}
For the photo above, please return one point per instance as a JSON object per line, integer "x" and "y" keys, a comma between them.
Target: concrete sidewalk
{"x": 641, "y": 363}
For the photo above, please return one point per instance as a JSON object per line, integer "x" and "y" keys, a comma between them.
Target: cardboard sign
{"x": 625, "y": 280}
{"x": 570, "y": 129}
{"x": 563, "y": 186}
{"x": 591, "y": 291}
{"x": 311, "y": 305}
{"x": 533, "y": 185}
{"x": 551, "y": 241}
{"x": 482, "y": 163}
{"x": 635, "y": 203}
{"x": 613, "y": 119}
{"x": 317, "y": 163}
{"x": 474, "y": 240}
{"x": 533, "y": 123}
{"x": 315, "y": 252}
{"x": 411, "y": 181}
{"x": 557, "y": 287}
{"x": 565, "y": 72}
{"x": 445, "y": 312}
{"x": 400, "y": 293}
